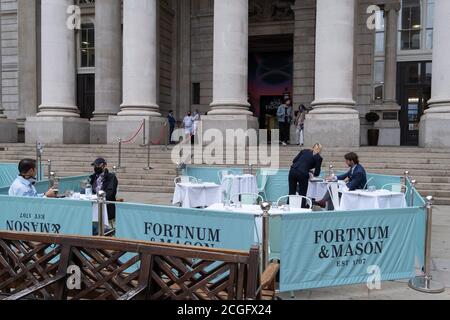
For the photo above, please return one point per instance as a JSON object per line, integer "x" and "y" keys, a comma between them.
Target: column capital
{"x": 392, "y": 6}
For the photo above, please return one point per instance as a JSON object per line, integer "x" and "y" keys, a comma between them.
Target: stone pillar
{"x": 140, "y": 71}
{"x": 435, "y": 124}
{"x": 8, "y": 128}
{"x": 108, "y": 66}
{"x": 390, "y": 129}
{"x": 230, "y": 107}
{"x": 27, "y": 73}
{"x": 58, "y": 120}
{"x": 334, "y": 121}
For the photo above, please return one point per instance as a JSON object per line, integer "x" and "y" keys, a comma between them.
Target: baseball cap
{"x": 98, "y": 162}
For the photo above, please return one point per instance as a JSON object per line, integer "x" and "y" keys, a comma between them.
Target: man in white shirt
{"x": 23, "y": 186}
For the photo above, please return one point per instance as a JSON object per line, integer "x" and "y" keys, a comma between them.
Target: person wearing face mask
{"x": 23, "y": 186}
{"x": 103, "y": 180}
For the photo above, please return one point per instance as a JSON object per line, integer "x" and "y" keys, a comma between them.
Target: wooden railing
{"x": 38, "y": 266}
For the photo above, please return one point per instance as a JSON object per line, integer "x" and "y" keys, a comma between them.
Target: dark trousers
{"x": 298, "y": 181}
{"x": 284, "y": 131}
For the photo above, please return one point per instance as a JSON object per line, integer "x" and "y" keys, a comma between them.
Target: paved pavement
{"x": 392, "y": 290}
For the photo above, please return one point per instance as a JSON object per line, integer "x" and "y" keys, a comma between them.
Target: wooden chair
{"x": 34, "y": 266}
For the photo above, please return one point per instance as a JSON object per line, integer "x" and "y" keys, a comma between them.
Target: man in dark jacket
{"x": 103, "y": 180}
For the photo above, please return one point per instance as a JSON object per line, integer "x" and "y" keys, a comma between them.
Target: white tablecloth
{"x": 255, "y": 210}
{"x": 317, "y": 190}
{"x": 366, "y": 200}
{"x": 246, "y": 183}
{"x": 192, "y": 195}
{"x": 93, "y": 198}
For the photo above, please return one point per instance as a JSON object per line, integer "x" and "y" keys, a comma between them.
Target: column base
{"x": 99, "y": 131}
{"x": 57, "y": 130}
{"x": 125, "y": 127}
{"x": 223, "y": 123}
{"x": 9, "y": 131}
{"x": 333, "y": 130}
{"x": 435, "y": 130}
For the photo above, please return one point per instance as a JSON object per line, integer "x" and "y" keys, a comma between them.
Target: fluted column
{"x": 58, "y": 61}
{"x": 391, "y": 29}
{"x": 435, "y": 124}
{"x": 108, "y": 58}
{"x": 140, "y": 55}
{"x": 334, "y": 119}
{"x": 230, "y": 78}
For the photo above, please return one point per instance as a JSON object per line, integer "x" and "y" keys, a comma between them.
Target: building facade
{"x": 91, "y": 71}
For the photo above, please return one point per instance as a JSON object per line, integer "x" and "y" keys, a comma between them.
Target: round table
{"x": 197, "y": 195}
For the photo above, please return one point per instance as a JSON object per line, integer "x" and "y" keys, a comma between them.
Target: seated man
{"x": 23, "y": 186}
{"x": 355, "y": 178}
{"x": 103, "y": 180}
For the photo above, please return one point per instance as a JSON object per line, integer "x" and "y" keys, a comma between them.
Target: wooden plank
{"x": 37, "y": 287}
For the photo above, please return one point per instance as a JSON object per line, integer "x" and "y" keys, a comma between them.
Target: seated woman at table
{"x": 306, "y": 161}
{"x": 355, "y": 178}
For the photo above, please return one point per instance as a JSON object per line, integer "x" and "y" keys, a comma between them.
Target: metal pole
{"x": 411, "y": 193}
{"x": 119, "y": 165}
{"x": 265, "y": 206}
{"x": 143, "y": 134}
{"x": 251, "y": 169}
{"x": 405, "y": 181}
{"x": 51, "y": 180}
{"x": 49, "y": 168}
{"x": 425, "y": 283}
{"x": 101, "y": 200}
{"x": 149, "y": 144}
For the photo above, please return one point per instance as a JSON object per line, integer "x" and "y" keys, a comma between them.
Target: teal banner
{"x": 38, "y": 215}
{"x": 8, "y": 172}
{"x": 342, "y": 248}
{"x": 191, "y": 227}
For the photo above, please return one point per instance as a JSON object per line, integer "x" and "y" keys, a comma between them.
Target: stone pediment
{"x": 271, "y": 10}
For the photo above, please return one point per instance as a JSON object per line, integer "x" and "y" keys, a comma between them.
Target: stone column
{"x": 230, "y": 107}
{"x": 108, "y": 66}
{"x": 334, "y": 121}
{"x": 58, "y": 120}
{"x": 390, "y": 129}
{"x": 8, "y": 128}
{"x": 435, "y": 124}
{"x": 28, "y": 101}
{"x": 140, "y": 71}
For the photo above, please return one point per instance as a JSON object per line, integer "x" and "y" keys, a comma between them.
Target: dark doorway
{"x": 414, "y": 92}
{"x": 86, "y": 95}
{"x": 270, "y": 75}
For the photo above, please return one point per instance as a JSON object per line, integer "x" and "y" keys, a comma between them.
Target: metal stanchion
{"x": 405, "y": 181}
{"x": 411, "y": 193}
{"x": 114, "y": 170}
{"x": 49, "y": 168}
{"x": 51, "y": 180}
{"x": 251, "y": 168}
{"x": 265, "y": 206}
{"x": 39, "y": 150}
{"x": 143, "y": 135}
{"x": 101, "y": 200}
{"x": 426, "y": 283}
{"x": 119, "y": 165}
{"x": 331, "y": 171}
{"x": 149, "y": 144}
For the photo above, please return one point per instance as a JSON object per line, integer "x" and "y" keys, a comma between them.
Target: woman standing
{"x": 300, "y": 125}
{"x": 306, "y": 161}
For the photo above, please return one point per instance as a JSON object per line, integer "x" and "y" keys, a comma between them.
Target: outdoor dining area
{"x": 231, "y": 189}
{"x": 240, "y": 208}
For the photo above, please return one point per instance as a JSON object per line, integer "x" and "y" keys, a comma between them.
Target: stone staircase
{"x": 430, "y": 167}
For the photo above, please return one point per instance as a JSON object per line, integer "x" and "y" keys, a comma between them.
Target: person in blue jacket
{"x": 355, "y": 178}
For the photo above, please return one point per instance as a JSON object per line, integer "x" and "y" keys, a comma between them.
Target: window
{"x": 378, "y": 80}
{"x": 87, "y": 46}
{"x": 410, "y": 25}
{"x": 429, "y": 25}
{"x": 379, "y": 38}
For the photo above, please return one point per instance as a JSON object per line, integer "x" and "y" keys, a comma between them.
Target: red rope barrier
{"x": 135, "y": 135}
